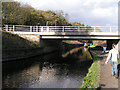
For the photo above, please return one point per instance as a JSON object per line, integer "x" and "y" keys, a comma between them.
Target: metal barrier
{"x": 26, "y": 28}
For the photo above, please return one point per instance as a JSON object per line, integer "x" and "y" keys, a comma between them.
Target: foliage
{"x": 93, "y": 77}
{"x": 72, "y": 42}
{"x": 14, "y": 13}
{"x": 23, "y": 14}
{"x": 99, "y": 42}
{"x": 77, "y": 24}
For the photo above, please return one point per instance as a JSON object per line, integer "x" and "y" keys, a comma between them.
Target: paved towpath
{"x": 106, "y": 80}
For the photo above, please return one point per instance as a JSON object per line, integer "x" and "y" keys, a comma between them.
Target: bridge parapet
{"x": 67, "y": 32}
{"x": 77, "y": 29}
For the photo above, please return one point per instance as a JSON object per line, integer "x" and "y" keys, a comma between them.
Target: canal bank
{"x": 99, "y": 74}
{"x": 15, "y": 47}
{"x": 92, "y": 78}
{"x": 106, "y": 79}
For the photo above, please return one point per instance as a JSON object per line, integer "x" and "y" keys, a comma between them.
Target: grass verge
{"x": 92, "y": 78}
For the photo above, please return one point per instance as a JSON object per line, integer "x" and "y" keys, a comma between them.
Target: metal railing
{"x": 26, "y": 28}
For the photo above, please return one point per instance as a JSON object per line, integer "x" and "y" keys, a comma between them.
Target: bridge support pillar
{"x": 110, "y": 42}
{"x": 51, "y": 45}
{"x": 118, "y": 45}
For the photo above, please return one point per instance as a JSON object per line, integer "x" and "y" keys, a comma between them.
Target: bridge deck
{"x": 74, "y": 35}
{"x": 71, "y": 33}
{"x": 66, "y": 32}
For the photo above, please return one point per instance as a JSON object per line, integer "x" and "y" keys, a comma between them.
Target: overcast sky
{"x": 88, "y": 12}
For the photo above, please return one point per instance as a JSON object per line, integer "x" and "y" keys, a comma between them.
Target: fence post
{"x": 47, "y": 29}
{"x": 30, "y": 28}
{"x": 94, "y": 29}
{"x": 63, "y": 29}
{"x": 36, "y": 28}
{"x": 110, "y": 29}
{"x": 41, "y": 29}
{"x": 13, "y": 27}
{"x": 6, "y": 27}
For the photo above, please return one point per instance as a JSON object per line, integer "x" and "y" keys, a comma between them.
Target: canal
{"x": 65, "y": 69}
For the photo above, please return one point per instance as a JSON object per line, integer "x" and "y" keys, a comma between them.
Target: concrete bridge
{"x": 67, "y": 32}
{"x": 57, "y": 33}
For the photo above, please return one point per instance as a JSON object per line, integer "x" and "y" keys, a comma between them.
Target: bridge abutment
{"x": 47, "y": 45}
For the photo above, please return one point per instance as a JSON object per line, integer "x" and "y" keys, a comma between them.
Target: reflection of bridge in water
{"x": 109, "y": 33}
{"x": 79, "y": 53}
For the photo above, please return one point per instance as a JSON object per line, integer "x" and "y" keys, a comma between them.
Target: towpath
{"x": 106, "y": 80}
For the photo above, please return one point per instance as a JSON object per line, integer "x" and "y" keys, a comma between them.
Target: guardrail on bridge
{"x": 26, "y": 28}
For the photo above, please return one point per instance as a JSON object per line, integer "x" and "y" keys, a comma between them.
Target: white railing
{"x": 26, "y": 28}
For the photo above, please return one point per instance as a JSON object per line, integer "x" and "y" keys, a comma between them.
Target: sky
{"x": 88, "y": 12}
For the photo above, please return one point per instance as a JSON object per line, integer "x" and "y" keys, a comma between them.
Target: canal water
{"x": 64, "y": 69}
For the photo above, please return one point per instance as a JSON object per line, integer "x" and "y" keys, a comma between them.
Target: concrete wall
{"x": 47, "y": 45}
{"x": 33, "y": 38}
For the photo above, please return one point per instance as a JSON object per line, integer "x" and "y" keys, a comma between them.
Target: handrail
{"x": 27, "y": 28}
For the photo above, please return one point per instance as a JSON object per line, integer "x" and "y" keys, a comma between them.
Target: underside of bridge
{"x": 51, "y": 44}
{"x": 110, "y": 42}
{"x": 57, "y": 44}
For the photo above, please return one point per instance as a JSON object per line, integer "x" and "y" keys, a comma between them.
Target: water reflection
{"x": 79, "y": 53}
{"x": 49, "y": 71}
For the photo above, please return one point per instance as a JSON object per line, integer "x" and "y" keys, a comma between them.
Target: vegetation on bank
{"x": 92, "y": 78}
{"x": 72, "y": 42}
{"x": 99, "y": 42}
